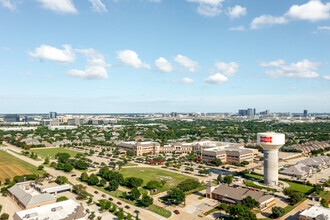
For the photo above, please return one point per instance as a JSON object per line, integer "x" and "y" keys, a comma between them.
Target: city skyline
{"x": 164, "y": 56}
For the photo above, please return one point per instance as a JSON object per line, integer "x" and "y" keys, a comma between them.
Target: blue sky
{"x": 111, "y": 56}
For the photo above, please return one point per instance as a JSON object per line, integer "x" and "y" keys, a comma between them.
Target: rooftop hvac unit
{"x": 56, "y": 208}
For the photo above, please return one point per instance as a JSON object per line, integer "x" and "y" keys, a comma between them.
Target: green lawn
{"x": 148, "y": 174}
{"x": 299, "y": 187}
{"x": 325, "y": 194}
{"x": 255, "y": 176}
{"x": 53, "y": 151}
{"x": 130, "y": 164}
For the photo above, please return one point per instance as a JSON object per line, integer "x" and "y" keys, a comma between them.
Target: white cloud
{"x": 326, "y": 77}
{"x": 313, "y": 10}
{"x": 131, "y": 58}
{"x": 96, "y": 66}
{"x": 327, "y": 28}
{"x": 293, "y": 88}
{"x": 163, "y": 65}
{"x": 228, "y": 69}
{"x": 156, "y": 1}
{"x": 238, "y": 28}
{"x": 187, "y": 80}
{"x": 217, "y": 78}
{"x": 186, "y": 62}
{"x": 98, "y": 6}
{"x": 236, "y": 11}
{"x": 208, "y": 7}
{"x": 301, "y": 69}
{"x": 62, "y": 6}
{"x": 52, "y": 53}
{"x": 8, "y": 4}
{"x": 273, "y": 63}
{"x": 267, "y": 20}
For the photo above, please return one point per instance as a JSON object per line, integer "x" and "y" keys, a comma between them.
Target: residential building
{"x": 235, "y": 196}
{"x": 315, "y": 212}
{"x": 65, "y": 210}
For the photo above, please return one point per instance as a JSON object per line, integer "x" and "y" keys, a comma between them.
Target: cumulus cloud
{"x": 186, "y": 62}
{"x": 62, "y": 6}
{"x": 217, "y": 78}
{"x": 267, "y": 20}
{"x": 238, "y": 28}
{"x": 95, "y": 68}
{"x": 163, "y": 65}
{"x": 98, "y": 6}
{"x": 301, "y": 69}
{"x": 52, "y": 53}
{"x": 187, "y": 80}
{"x": 236, "y": 11}
{"x": 313, "y": 10}
{"x": 228, "y": 69}
{"x": 208, "y": 7}
{"x": 326, "y": 77}
{"x": 8, "y": 4}
{"x": 131, "y": 58}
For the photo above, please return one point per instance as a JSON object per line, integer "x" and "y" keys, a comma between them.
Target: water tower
{"x": 271, "y": 142}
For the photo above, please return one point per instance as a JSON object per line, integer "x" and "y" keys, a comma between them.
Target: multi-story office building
{"x": 305, "y": 113}
{"x": 247, "y": 112}
{"x": 141, "y": 148}
{"x": 52, "y": 114}
{"x": 11, "y": 118}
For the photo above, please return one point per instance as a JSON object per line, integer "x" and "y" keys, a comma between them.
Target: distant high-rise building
{"x": 266, "y": 112}
{"x": 11, "y": 118}
{"x": 242, "y": 112}
{"x": 174, "y": 114}
{"x": 247, "y": 112}
{"x": 305, "y": 112}
{"x": 52, "y": 114}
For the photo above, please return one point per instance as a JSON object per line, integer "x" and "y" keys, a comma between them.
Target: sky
{"x": 116, "y": 56}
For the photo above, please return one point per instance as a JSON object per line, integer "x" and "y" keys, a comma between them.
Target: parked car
{"x": 103, "y": 195}
{"x": 110, "y": 198}
{"x": 176, "y": 212}
{"x": 119, "y": 203}
{"x": 73, "y": 175}
{"x": 137, "y": 211}
{"x": 96, "y": 192}
{"x": 127, "y": 207}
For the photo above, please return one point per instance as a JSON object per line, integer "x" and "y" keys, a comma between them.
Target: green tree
{"x": 62, "y": 198}
{"x": 46, "y": 160}
{"x": 135, "y": 194}
{"x": 146, "y": 200}
{"x": 219, "y": 178}
{"x": 4, "y": 216}
{"x": 133, "y": 182}
{"x": 67, "y": 167}
{"x": 41, "y": 167}
{"x": 84, "y": 177}
{"x": 250, "y": 202}
{"x": 277, "y": 212}
{"x": 61, "y": 180}
{"x": 324, "y": 203}
{"x": 93, "y": 179}
{"x": 228, "y": 179}
{"x": 176, "y": 196}
{"x": 153, "y": 184}
{"x": 240, "y": 212}
{"x": 113, "y": 185}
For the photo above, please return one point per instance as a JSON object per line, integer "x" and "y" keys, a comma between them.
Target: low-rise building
{"x": 141, "y": 148}
{"x": 235, "y": 196}
{"x": 315, "y": 212}
{"x": 65, "y": 210}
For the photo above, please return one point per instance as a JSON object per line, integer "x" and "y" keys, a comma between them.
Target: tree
{"x": 324, "y": 203}
{"x": 102, "y": 182}
{"x": 61, "y": 180}
{"x": 67, "y": 167}
{"x": 93, "y": 179}
{"x": 146, "y": 200}
{"x": 188, "y": 184}
{"x": 113, "y": 185}
{"x": 130, "y": 153}
{"x": 205, "y": 172}
{"x": 216, "y": 161}
{"x": 120, "y": 214}
{"x": 240, "y": 212}
{"x": 0, "y": 208}
{"x": 295, "y": 196}
{"x": 133, "y": 182}
{"x": 4, "y": 216}
{"x": 84, "y": 177}
{"x": 153, "y": 184}
{"x": 250, "y": 202}
{"x": 46, "y": 160}
{"x": 219, "y": 178}
{"x": 277, "y": 212}
{"x": 228, "y": 179}
{"x": 62, "y": 157}
{"x": 135, "y": 194}
{"x": 176, "y": 196}
{"x": 41, "y": 167}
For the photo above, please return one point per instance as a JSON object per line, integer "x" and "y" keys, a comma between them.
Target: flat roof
{"x": 315, "y": 211}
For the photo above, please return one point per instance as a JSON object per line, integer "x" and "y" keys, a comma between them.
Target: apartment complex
{"x": 235, "y": 196}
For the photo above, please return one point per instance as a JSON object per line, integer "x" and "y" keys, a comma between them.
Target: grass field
{"x": 325, "y": 194}
{"x": 53, "y": 151}
{"x": 299, "y": 187}
{"x": 10, "y": 166}
{"x": 148, "y": 174}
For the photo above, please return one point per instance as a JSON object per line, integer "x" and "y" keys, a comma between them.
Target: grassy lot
{"x": 130, "y": 164}
{"x": 10, "y": 166}
{"x": 153, "y": 208}
{"x": 255, "y": 176}
{"x": 148, "y": 174}
{"x": 36, "y": 159}
{"x": 53, "y": 151}
{"x": 299, "y": 187}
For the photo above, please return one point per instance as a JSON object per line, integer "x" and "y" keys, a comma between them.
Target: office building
{"x": 247, "y": 112}
{"x": 305, "y": 113}
{"x": 315, "y": 212}
{"x": 65, "y": 210}
{"x": 11, "y": 118}
{"x": 141, "y": 148}
{"x": 52, "y": 114}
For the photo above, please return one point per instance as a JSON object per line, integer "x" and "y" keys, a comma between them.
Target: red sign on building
{"x": 266, "y": 139}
